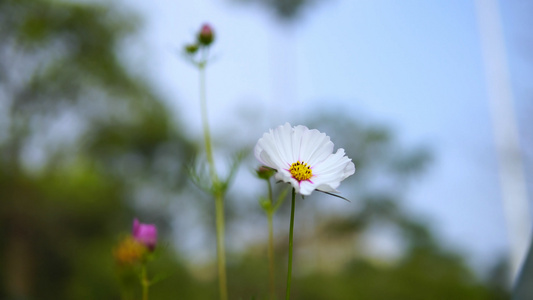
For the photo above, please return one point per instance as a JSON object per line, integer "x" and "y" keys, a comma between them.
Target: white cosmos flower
{"x": 304, "y": 158}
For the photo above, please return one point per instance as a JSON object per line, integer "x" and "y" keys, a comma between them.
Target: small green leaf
{"x": 265, "y": 204}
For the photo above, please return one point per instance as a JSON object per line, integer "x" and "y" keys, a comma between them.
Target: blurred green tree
{"x": 79, "y": 135}
{"x": 286, "y": 10}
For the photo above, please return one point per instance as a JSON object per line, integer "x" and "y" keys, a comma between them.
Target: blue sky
{"x": 415, "y": 66}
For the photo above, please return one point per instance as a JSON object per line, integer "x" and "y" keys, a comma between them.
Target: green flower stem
{"x": 145, "y": 283}
{"x": 270, "y": 214}
{"x": 205, "y": 124}
{"x": 289, "y": 272}
{"x": 221, "y": 255}
{"x": 218, "y": 193}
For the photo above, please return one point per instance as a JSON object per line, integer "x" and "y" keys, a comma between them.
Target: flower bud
{"x": 265, "y": 172}
{"x": 145, "y": 234}
{"x": 206, "y": 35}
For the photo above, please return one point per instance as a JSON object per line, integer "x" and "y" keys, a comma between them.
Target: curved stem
{"x": 289, "y": 272}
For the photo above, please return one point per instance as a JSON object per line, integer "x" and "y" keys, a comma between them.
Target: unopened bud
{"x": 265, "y": 173}
{"x": 206, "y": 35}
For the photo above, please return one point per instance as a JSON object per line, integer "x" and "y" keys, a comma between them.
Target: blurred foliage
{"x": 424, "y": 274}
{"x": 285, "y": 10}
{"x": 96, "y": 129}
{"x": 81, "y": 136}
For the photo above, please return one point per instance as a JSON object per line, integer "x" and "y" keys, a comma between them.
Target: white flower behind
{"x": 304, "y": 158}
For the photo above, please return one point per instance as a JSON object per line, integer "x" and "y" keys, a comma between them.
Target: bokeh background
{"x": 99, "y": 118}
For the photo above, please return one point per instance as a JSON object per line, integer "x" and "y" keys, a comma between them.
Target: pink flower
{"x": 145, "y": 234}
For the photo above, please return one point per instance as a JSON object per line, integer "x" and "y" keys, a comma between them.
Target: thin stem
{"x": 221, "y": 256}
{"x": 289, "y": 272}
{"x": 144, "y": 282}
{"x": 270, "y": 214}
{"x": 205, "y": 124}
{"x": 218, "y": 193}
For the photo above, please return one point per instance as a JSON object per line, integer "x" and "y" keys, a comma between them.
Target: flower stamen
{"x": 301, "y": 171}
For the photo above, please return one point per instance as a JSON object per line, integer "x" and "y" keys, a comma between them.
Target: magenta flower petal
{"x": 136, "y": 225}
{"x": 146, "y": 234}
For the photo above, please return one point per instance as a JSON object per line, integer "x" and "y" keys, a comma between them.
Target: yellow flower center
{"x": 301, "y": 171}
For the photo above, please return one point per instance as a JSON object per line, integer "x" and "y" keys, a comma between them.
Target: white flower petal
{"x": 283, "y": 141}
{"x": 316, "y": 147}
{"x": 335, "y": 163}
{"x": 286, "y": 177}
{"x": 297, "y": 135}
{"x": 270, "y": 151}
{"x": 327, "y": 188}
{"x": 306, "y": 188}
